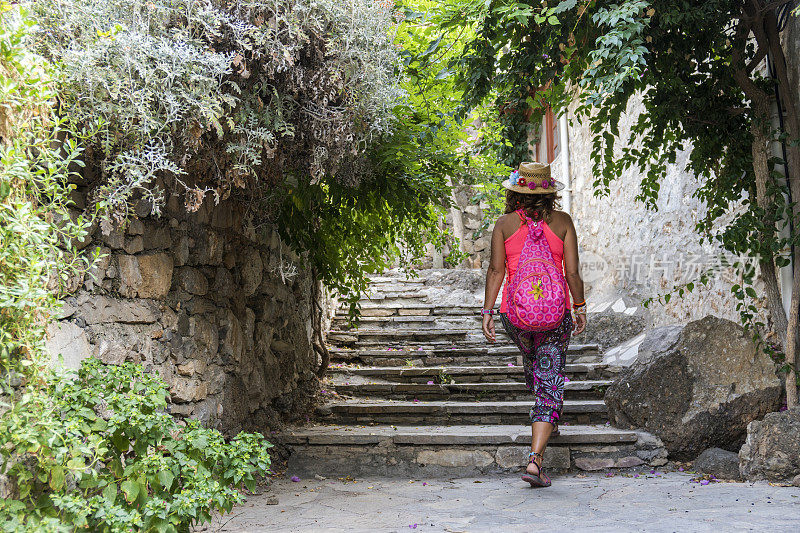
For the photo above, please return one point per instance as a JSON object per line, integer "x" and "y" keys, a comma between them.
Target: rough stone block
{"x": 414, "y": 312}
{"x": 455, "y": 458}
{"x": 134, "y": 245}
{"x": 594, "y": 463}
{"x": 193, "y": 281}
{"x": 627, "y": 462}
{"x": 69, "y": 341}
{"x": 696, "y": 387}
{"x": 181, "y": 409}
{"x": 146, "y": 276}
{"x": 252, "y": 270}
{"x": 190, "y": 368}
{"x": 377, "y": 312}
{"x": 472, "y": 223}
{"x": 233, "y": 343}
{"x": 772, "y": 449}
{"x": 103, "y": 310}
{"x": 205, "y": 335}
{"x": 555, "y": 457}
{"x": 115, "y": 239}
{"x": 721, "y": 463}
{"x": 187, "y": 390}
{"x": 157, "y": 238}
{"x": 136, "y": 227}
{"x": 481, "y": 244}
{"x": 181, "y": 252}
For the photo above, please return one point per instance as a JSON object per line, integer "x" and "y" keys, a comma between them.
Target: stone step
{"x": 474, "y": 361}
{"x": 465, "y": 374}
{"x": 394, "y": 295}
{"x": 483, "y": 348}
{"x": 459, "y": 450}
{"x": 455, "y": 355}
{"x": 415, "y": 308}
{"x": 374, "y": 411}
{"x": 377, "y": 322}
{"x": 425, "y": 338}
{"x": 573, "y": 390}
{"x": 437, "y": 435}
{"x": 379, "y": 280}
{"x": 402, "y": 336}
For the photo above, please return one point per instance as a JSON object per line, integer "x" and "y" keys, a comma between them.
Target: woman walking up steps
{"x": 535, "y": 248}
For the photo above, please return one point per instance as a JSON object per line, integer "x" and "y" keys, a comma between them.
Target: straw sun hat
{"x": 532, "y": 178}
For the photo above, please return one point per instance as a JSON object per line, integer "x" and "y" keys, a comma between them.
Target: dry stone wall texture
{"x": 628, "y": 249}
{"x": 222, "y": 313}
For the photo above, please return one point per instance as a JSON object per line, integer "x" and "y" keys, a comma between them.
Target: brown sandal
{"x": 540, "y": 479}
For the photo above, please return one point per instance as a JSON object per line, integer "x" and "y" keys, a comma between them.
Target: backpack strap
{"x": 528, "y": 221}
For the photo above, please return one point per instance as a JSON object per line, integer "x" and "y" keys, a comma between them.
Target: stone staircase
{"x": 416, "y": 390}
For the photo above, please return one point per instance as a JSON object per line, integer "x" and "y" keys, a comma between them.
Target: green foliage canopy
{"x": 693, "y": 68}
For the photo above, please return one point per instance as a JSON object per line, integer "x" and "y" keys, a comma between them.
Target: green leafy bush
{"x": 94, "y": 450}
{"x": 99, "y": 451}
{"x": 37, "y": 232}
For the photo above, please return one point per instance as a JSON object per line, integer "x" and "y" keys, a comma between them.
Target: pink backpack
{"x": 538, "y": 292}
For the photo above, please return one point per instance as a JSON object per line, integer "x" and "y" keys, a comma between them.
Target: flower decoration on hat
{"x": 522, "y": 182}
{"x": 514, "y": 177}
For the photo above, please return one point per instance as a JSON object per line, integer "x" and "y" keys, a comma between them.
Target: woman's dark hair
{"x": 537, "y": 206}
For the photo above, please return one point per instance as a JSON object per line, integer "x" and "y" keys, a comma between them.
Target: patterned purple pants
{"x": 544, "y": 354}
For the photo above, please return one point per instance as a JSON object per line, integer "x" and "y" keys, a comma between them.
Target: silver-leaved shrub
{"x": 203, "y": 97}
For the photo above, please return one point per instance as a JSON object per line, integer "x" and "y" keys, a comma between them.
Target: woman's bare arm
{"x": 572, "y": 271}
{"x": 494, "y": 277}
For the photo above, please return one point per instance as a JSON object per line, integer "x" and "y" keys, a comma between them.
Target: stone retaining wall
{"x": 629, "y": 250}
{"x": 220, "y": 311}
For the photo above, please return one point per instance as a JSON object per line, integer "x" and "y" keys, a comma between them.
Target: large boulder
{"x": 695, "y": 387}
{"x": 772, "y": 448}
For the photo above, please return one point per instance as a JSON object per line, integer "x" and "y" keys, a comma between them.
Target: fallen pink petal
{"x": 295, "y": 479}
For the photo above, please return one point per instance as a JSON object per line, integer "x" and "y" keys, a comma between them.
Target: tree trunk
{"x": 763, "y": 25}
{"x": 792, "y": 130}
{"x": 761, "y": 138}
{"x": 318, "y": 339}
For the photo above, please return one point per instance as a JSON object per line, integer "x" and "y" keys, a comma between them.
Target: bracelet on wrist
{"x": 487, "y": 311}
{"x": 582, "y": 304}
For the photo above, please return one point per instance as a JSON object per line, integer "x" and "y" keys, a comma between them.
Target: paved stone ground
{"x": 667, "y": 502}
